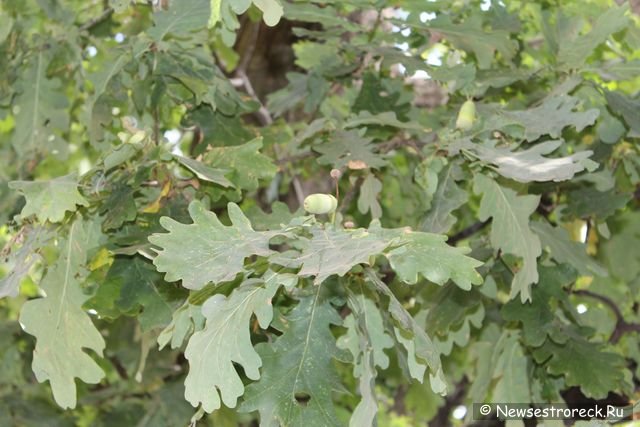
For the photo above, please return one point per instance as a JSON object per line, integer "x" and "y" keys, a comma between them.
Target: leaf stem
{"x": 622, "y": 326}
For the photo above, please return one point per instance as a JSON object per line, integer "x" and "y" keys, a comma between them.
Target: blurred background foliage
{"x": 125, "y": 111}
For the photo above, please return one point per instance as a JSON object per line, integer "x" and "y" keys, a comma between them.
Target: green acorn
{"x": 466, "y": 116}
{"x": 320, "y": 204}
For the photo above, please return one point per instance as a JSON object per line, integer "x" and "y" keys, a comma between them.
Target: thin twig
{"x": 264, "y": 116}
{"x": 400, "y": 142}
{"x": 247, "y": 55}
{"x": 97, "y": 20}
{"x": 468, "y": 232}
{"x": 375, "y": 27}
{"x": 504, "y": 263}
{"x": 622, "y": 326}
{"x": 296, "y": 157}
{"x": 349, "y": 195}
{"x": 156, "y": 126}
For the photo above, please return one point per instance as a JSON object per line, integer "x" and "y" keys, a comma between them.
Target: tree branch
{"x": 468, "y": 232}
{"x": 383, "y": 147}
{"x": 97, "y": 20}
{"x": 264, "y": 116}
{"x": 397, "y": 142}
{"x": 453, "y": 399}
{"x": 622, "y": 326}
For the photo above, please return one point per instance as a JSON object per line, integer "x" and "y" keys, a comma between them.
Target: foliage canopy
{"x": 158, "y": 268}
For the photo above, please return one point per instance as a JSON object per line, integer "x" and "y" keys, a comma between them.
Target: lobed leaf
{"x": 510, "y": 230}
{"x": 298, "y": 375}
{"x": 215, "y": 252}
{"x": 226, "y": 340}
{"x": 61, "y": 327}
{"x": 49, "y": 200}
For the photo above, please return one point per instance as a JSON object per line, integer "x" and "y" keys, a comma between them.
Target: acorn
{"x": 466, "y": 115}
{"x": 320, "y": 203}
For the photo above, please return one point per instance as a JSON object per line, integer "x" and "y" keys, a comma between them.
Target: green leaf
{"x": 421, "y": 351}
{"x": 510, "y": 230}
{"x": 387, "y": 118}
{"x": 245, "y": 162}
{"x": 319, "y": 56}
{"x": 205, "y": 172}
{"x": 366, "y": 340}
{"x": 484, "y": 354}
{"x": 581, "y": 363}
{"x": 374, "y": 97}
{"x": 368, "y": 198}
{"x": 193, "y": 70}
{"x": 214, "y": 253}
{"x": 119, "y": 208}
{"x": 586, "y": 202}
{"x": 40, "y": 110}
{"x": 426, "y": 176}
{"x": 49, "y": 200}
{"x": 326, "y": 15}
{"x": 103, "y": 76}
{"x": 451, "y": 315}
{"x": 574, "y": 52}
{"x": 133, "y": 287}
{"x": 415, "y": 253}
{"x": 226, "y": 340}
{"x": 218, "y": 130}
{"x": 182, "y": 19}
{"x": 167, "y": 410}
{"x": 186, "y": 319}
{"x": 214, "y": 18}
{"x": 119, "y": 6}
{"x": 460, "y": 335}
{"x": 450, "y": 306}
{"x": 530, "y": 165}
{"x": 625, "y": 107}
{"x": 620, "y": 251}
{"x": 538, "y": 316}
{"x": 565, "y": 250}
{"x": 332, "y": 251}
{"x": 23, "y": 258}
{"x": 512, "y": 371}
{"x": 6, "y": 24}
{"x": 120, "y": 154}
{"x": 61, "y": 327}
{"x": 472, "y": 37}
{"x": 309, "y": 89}
{"x": 271, "y": 11}
{"x": 349, "y": 148}
{"x": 299, "y": 376}
{"x": 447, "y": 198}
{"x": 279, "y": 217}
{"x": 549, "y": 118}
{"x": 610, "y": 129}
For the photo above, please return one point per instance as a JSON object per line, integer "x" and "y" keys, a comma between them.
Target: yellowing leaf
{"x": 156, "y": 205}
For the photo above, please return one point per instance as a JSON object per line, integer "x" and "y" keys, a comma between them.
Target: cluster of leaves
{"x": 154, "y": 278}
